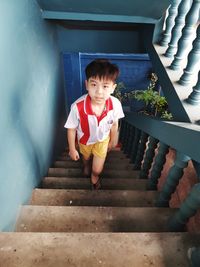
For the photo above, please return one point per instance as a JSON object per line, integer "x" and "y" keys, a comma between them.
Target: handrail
{"x": 181, "y": 136}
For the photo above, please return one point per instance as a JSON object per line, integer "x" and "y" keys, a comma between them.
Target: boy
{"x": 94, "y": 118}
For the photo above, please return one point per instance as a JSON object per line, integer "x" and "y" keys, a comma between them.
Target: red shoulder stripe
{"x": 84, "y": 123}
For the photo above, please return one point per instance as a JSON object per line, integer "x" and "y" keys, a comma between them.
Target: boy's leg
{"x": 97, "y": 167}
{"x": 86, "y": 158}
{"x": 86, "y": 166}
{"x": 99, "y": 152}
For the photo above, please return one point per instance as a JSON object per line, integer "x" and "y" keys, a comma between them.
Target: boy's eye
{"x": 105, "y": 86}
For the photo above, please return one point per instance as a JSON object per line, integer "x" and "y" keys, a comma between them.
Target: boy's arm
{"x": 113, "y": 136}
{"x": 71, "y": 136}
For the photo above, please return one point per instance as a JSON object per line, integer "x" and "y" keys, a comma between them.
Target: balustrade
{"x": 159, "y": 162}
{"x": 173, "y": 177}
{"x": 140, "y": 151}
{"x": 183, "y": 8}
{"x": 140, "y": 138}
{"x": 187, "y": 209}
{"x": 184, "y": 41}
{"x": 170, "y": 21}
{"x": 193, "y": 60}
{"x": 148, "y": 159}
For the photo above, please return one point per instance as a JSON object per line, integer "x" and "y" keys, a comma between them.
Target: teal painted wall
{"x": 31, "y": 101}
{"x": 99, "y": 41}
{"x": 137, "y": 8}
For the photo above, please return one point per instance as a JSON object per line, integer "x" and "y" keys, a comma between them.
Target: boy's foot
{"x": 97, "y": 185}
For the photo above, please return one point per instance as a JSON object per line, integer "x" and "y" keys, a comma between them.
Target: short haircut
{"x": 102, "y": 68}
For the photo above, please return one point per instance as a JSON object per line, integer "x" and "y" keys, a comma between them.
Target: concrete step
{"x": 96, "y": 249}
{"x": 110, "y": 158}
{"x": 74, "y": 172}
{"x": 84, "y": 183}
{"x": 108, "y": 165}
{"x": 92, "y": 219}
{"x": 114, "y": 153}
{"x": 114, "y": 198}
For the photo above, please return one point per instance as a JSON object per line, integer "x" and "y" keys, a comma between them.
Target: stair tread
{"x": 113, "y": 153}
{"x": 108, "y": 159}
{"x": 84, "y": 183}
{"x": 63, "y": 172}
{"x": 108, "y": 165}
{"x": 92, "y": 219}
{"x": 120, "y": 198}
{"x": 96, "y": 249}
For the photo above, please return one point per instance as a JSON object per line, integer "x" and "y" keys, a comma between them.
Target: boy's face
{"x": 99, "y": 89}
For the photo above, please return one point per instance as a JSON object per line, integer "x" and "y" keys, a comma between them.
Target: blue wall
{"x": 112, "y": 39}
{"x": 31, "y": 100}
{"x": 99, "y": 41}
{"x": 134, "y": 72}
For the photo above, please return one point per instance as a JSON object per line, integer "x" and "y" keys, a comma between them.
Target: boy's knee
{"x": 96, "y": 171}
{"x": 97, "y": 164}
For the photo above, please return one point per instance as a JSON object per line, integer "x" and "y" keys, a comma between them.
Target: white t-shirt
{"x": 90, "y": 128}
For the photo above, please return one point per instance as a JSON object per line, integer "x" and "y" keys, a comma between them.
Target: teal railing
{"x": 176, "y": 60}
{"x": 151, "y": 134}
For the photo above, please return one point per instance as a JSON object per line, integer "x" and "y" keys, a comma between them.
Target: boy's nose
{"x": 99, "y": 89}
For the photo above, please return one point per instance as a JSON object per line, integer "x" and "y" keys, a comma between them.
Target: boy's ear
{"x": 86, "y": 84}
{"x": 113, "y": 88}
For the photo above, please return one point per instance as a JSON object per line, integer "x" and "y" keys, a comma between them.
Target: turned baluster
{"x": 193, "y": 60}
{"x": 183, "y": 8}
{"x": 172, "y": 180}
{"x": 187, "y": 209}
{"x": 148, "y": 159}
{"x": 170, "y": 21}
{"x": 140, "y": 151}
{"x": 159, "y": 162}
{"x": 184, "y": 41}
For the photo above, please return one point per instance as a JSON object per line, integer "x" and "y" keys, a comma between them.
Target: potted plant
{"x": 154, "y": 104}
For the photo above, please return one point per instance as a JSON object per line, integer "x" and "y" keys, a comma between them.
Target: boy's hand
{"x": 74, "y": 155}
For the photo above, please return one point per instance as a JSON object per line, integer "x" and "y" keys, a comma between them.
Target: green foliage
{"x": 166, "y": 115}
{"x": 155, "y": 104}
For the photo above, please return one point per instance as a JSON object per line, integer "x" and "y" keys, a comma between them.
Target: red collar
{"x": 89, "y": 111}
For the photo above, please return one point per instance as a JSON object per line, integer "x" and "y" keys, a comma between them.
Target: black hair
{"x": 102, "y": 68}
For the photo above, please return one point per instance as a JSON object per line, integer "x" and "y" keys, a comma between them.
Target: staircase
{"x": 67, "y": 224}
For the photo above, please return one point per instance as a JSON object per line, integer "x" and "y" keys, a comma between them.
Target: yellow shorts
{"x": 98, "y": 149}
